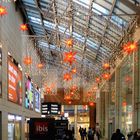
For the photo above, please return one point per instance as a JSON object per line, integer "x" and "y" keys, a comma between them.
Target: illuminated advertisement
{"x": 29, "y": 95}
{"x": 0, "y": 71}
{"x": 14, "y": 83}
{"x": 37, "y": 100}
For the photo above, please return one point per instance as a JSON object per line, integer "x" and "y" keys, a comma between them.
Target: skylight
{"x": 84, "y": 3}
{"x": 100, "y": 9}
{"x": 35, "y": 20}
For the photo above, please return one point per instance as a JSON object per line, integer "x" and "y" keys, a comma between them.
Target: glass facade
{"x": 126, "y": 88}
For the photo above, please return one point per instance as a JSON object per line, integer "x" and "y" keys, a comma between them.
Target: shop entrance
{"x": 14, "y": 127}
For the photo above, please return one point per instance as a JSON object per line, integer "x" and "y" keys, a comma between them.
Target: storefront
{"x": 14, "y": 127}
{"x": 112, "y": 102}
{"x": 126, "y": 95}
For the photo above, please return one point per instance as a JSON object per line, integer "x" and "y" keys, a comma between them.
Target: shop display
{"x": 14, "y": 83}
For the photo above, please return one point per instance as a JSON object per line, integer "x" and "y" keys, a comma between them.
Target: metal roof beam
{"x": 106, "y": 27}
{"x": 131, "y": 6}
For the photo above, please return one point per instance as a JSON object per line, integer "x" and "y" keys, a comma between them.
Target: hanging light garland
{"x": 130, "y": 47}
{"x": 23, "y": 27}
{"x": 3, "y": 11}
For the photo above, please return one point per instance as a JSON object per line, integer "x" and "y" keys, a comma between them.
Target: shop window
{"x": 112, "y": 102}
{"x": 14, "y": 127}
{"x": 126, "y": 88}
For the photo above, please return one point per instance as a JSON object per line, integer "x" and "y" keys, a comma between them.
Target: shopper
{"x": 90, "y": 134}
{"x": 117, "y": 135}
{"x": 137, "y": 135}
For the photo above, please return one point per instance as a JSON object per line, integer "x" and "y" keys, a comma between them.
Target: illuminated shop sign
{"x": 51, "y": 108}
{"x": 14, "y": 83}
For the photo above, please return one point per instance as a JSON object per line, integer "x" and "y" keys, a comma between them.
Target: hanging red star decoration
{"x": 106, "y": 66}
{"x": 97, "y": 79}
{"x": 3, "y": 11}
{"x": 23, "y": 27}
{"x": 48, "y": 90}
{"x": 69, "y": 57}
{"x": 91, "y": 103}
{"x": 40, "y": 65}
{"x": 74, "y": 88}
{"x": 69, "y": 42}
{"x": 106, "y": 76}
{"x": 67, "y": 77}
{"x": 74, "y": 70}
{"x": 130, "y": 47}
{"x": 27, "y": 60}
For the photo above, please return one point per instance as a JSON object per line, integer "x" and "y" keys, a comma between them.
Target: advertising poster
{"x": 37, "y": 100}
{"x": 29, "y": 95}
{"x": 0, "y": 71}
{"x": 14, "y": 83}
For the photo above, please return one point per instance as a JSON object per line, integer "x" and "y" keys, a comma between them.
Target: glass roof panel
{"x": 84, "y": 3}
{"x": 29, "y": 1}
{"x": 124, "y": 8}
{"x": 99, "y": 9}
{"x": 118, "y": 21}
{"x": 34, "y": 20}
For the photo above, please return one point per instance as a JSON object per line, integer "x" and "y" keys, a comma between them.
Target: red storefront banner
{"x": 14, "y": 83}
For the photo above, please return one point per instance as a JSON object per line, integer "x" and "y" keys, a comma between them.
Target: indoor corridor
{"x": 69, "y": 69}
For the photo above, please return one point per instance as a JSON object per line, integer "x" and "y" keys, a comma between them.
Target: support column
{"x": 92, "y": 115}
{"x": 138, "y": 93}
{"x": 75, "y": 121}
{"x": 106, "y": 110}
{"x": 4, "y": 125}
{"x": 117, "y": 98}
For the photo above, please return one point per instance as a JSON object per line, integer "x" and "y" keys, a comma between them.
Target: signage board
{"x": 29, "y": 94}
{"x": 51, "y": 108}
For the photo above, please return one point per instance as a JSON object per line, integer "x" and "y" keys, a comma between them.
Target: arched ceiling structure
{"x": 97, "y": 28}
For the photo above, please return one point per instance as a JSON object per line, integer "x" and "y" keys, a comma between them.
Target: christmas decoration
{"x": 3, "y": 11}
{"x": 69, "y": 57}
{"x": 27, "y": 60}
{"x": 23, "y": 27}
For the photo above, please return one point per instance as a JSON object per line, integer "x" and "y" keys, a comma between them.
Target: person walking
{"x": 90, "y": 134}
{"x": 137, "y": 135}
{"x": 117, "y": 135}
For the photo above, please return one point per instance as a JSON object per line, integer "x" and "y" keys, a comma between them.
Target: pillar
{"x": 117, "y": 98}
{"x": 4, "y": 125}
{"x": 75, "y": 121}
{"x": 92, "y": 115}
{"x": 138, "y": 93}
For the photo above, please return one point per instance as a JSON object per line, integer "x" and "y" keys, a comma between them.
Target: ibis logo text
{"x": 41, "y": 127}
